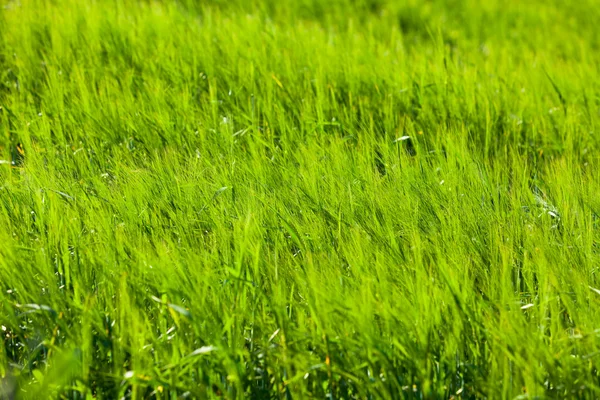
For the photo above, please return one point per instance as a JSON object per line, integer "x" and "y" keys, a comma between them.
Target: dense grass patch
{"x": 296, "y": 199}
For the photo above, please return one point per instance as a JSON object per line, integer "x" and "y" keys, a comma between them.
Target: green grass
{"x": 218, "y": 198}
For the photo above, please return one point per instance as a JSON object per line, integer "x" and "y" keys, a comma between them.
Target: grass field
{"x": 299, "y": 199}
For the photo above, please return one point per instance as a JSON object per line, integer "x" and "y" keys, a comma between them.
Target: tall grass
{"x": 299, "y": 199}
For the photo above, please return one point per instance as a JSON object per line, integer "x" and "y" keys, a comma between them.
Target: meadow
{"x": 290, "y": 199}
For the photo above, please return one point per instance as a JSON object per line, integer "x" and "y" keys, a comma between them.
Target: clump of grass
{"x": 347, "y": 199}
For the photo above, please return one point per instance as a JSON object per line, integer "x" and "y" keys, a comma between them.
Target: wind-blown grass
{"x": 296, "y": 199}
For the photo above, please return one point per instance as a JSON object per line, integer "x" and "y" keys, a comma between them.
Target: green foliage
{"x": 299, "y": 199}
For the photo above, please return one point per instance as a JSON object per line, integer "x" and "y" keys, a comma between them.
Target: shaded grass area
{"x": 299, "y": 199}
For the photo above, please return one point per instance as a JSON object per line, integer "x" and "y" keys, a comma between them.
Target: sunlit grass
{"x": 299, "y": 199}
